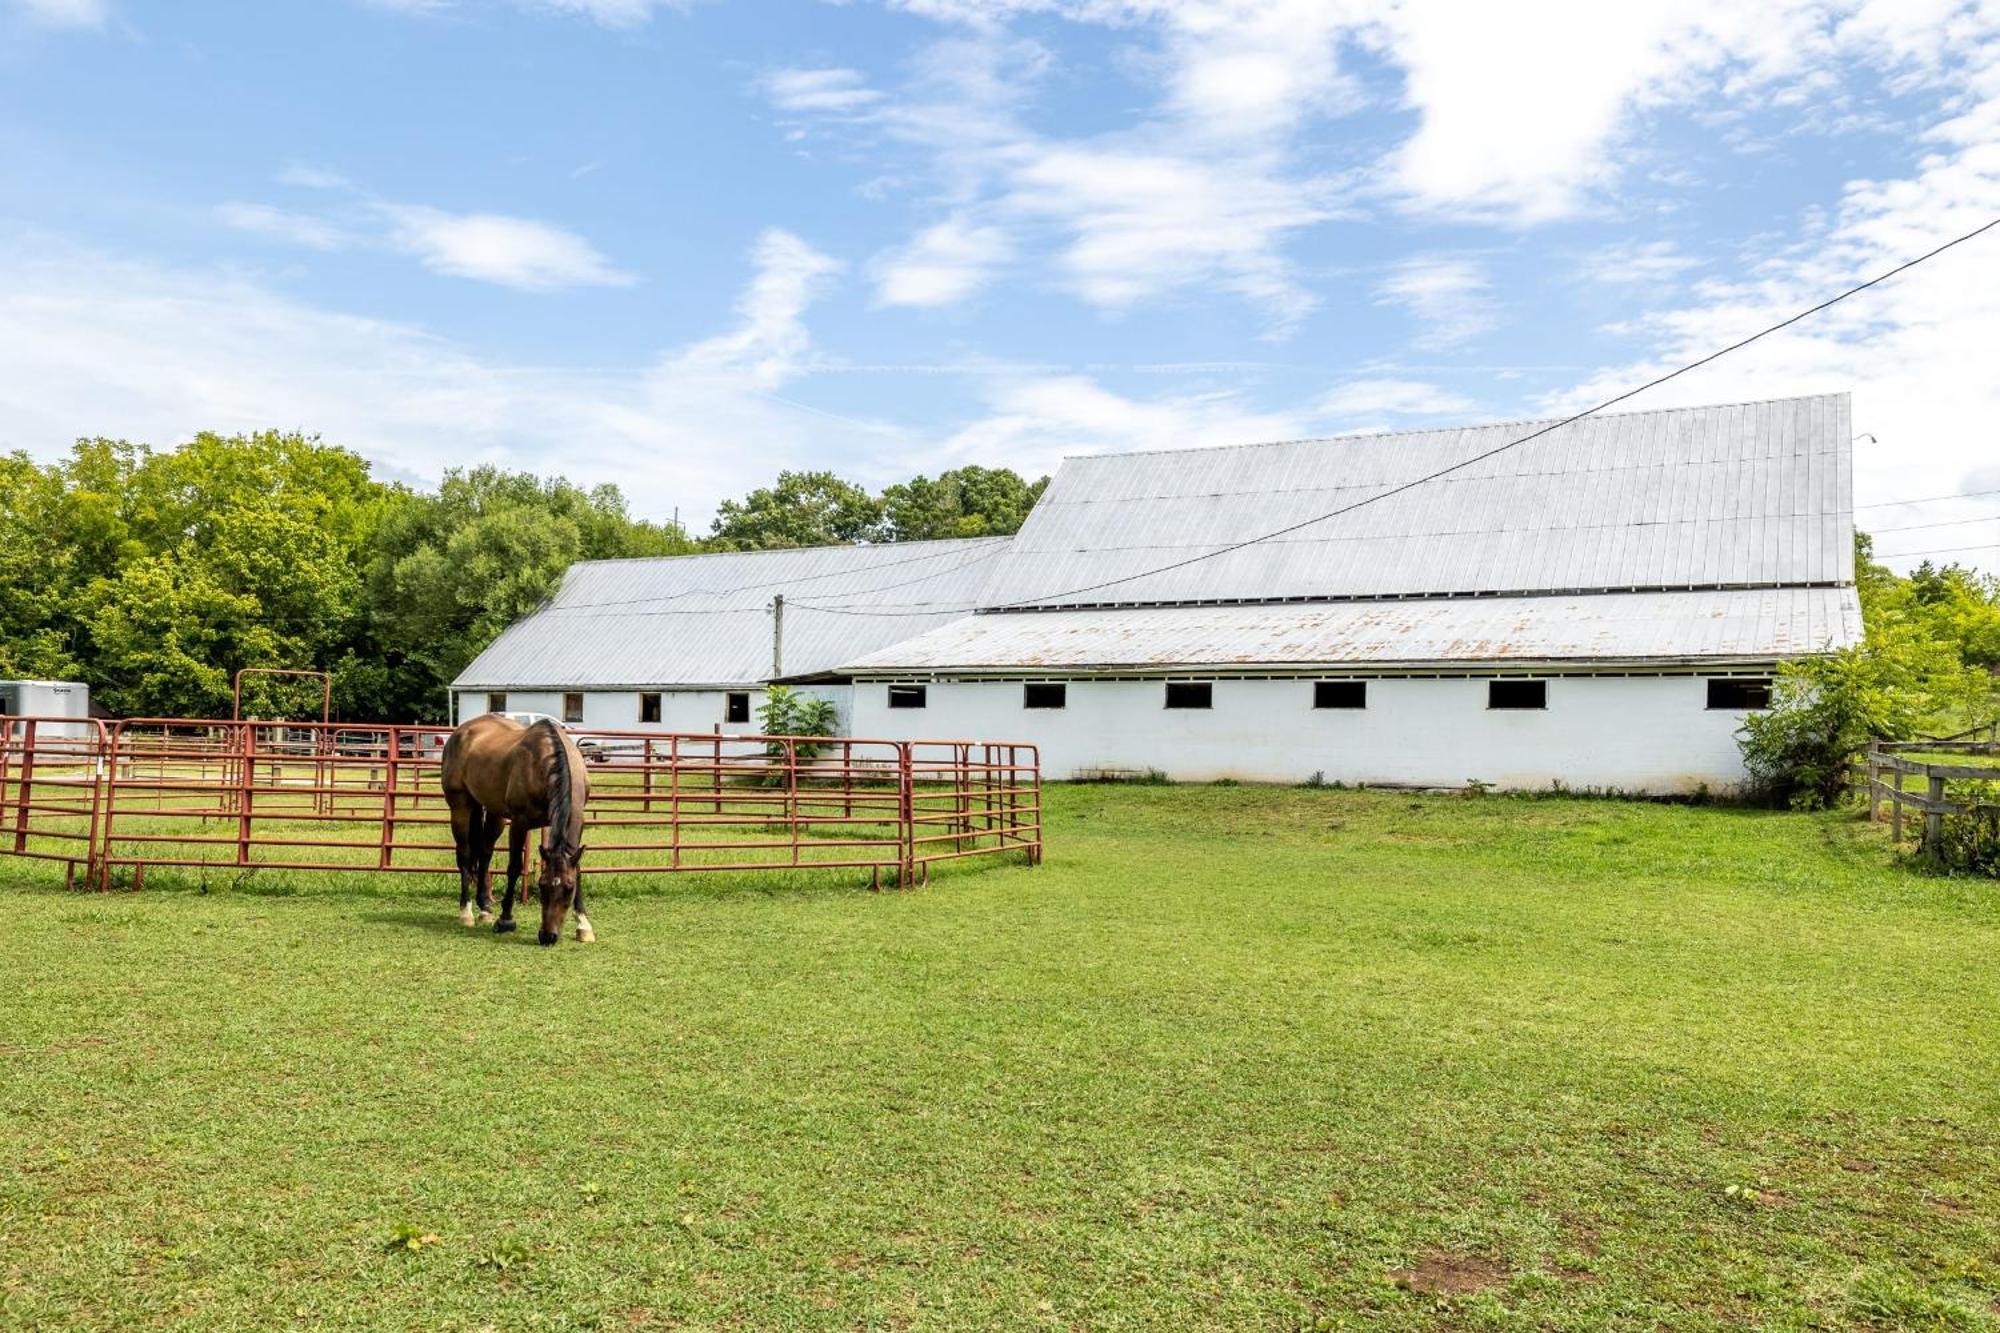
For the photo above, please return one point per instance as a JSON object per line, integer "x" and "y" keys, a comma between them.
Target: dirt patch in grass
{"x": 1442, "y": 1273}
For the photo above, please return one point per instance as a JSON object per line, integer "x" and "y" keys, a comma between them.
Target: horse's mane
{"x": 559, "y": 789}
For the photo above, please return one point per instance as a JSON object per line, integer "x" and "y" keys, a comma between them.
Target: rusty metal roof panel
{"x": 706, "y": 620}
{"x": 1752, "y": 493}
{"x": 1754, "y": 624}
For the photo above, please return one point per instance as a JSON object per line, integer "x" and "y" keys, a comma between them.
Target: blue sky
{"x": 681, "y": 246}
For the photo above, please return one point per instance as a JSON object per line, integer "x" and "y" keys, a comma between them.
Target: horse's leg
{"x": 517, "y": 843}
{"x": 489, "y": 833}
{"x": 584, "y": 934}
{"x": 465, "y": 822}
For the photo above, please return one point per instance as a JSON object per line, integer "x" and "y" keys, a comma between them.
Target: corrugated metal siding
{"x": 1752, "y": 624}
{"x": 1752, "y": 493}
{"x": 705, "y": 619}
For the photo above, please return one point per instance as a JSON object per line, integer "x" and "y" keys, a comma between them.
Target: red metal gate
{"x": 344, "y": 797}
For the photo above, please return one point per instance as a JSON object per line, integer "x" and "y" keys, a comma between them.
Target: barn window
{"x": 906, "y": 696}
{"x": 1045, "y": 694}
{"x": 737, "y": 706}
{"x": 1739, "y": 696}
{"x": 1190, "y": 694}
{"x": 1340, "y": 694}
{"x": 1517, "y": 694}
{"x": 649, "y": 707}
{"x": 572, "y": 708}
{"x": 496, "y": 703}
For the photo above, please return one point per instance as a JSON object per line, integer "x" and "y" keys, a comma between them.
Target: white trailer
{"x": 45, "y": 698}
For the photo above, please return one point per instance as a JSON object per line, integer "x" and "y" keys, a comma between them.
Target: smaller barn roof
{"x": 1749, "y": 625}
{"x": 705, "y": 619}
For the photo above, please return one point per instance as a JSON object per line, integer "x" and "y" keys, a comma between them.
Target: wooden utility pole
{"x": 777, "y": 635}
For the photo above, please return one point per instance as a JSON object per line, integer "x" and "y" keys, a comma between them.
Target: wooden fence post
{"x": 1896, "y": 807}
{"x": 1934, "y": 816}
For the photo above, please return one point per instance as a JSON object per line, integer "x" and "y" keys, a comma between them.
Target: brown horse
{"x": 498, "y": 771}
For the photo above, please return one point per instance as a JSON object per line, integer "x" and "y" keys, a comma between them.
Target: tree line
{"x": 154, "y": 575}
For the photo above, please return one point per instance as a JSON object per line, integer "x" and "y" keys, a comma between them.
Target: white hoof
{"x": 465, "y": 917}
{"x": 485, "y": 919}
{"x": 584, "y": 934}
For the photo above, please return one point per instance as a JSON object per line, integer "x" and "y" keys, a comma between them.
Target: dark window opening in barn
{"x": 1190, "y": 694}
{"x": 572, "y": 708}
{"x": 737, "y": 706}
{"x": 1739, "y": 696}
{"x": 1045, "y": 694}
{"x": 907, "y": 696}
{"x": 1517, "y": 694}
{"x": 1340, "y": 694}
{"x": 649, "y": 708}
{"x": 496, "y": 703}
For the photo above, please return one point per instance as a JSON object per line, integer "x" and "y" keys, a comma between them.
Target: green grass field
{"x": 1233, "y": 1057}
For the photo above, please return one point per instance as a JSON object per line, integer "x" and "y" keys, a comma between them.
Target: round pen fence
{"x": 110, "y": 800}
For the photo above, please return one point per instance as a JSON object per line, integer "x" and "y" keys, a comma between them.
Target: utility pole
{"x": 777, "y": 635}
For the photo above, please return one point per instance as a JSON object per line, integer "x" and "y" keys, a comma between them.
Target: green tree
{"x": 1912, "y": 672}
{"x": 964, "y": 502}
{"x": 801, "y": 509}
{"x": 450, "y": 571}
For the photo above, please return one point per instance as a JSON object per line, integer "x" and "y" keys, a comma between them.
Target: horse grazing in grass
{"x": 498, "y": 771}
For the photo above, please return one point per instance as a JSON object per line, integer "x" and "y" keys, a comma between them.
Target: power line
{"x": 1936, "y": 550}
{"x": 1941, "y": 523}
{"x": 922, "y": 578}
{"x": 1928, "y": 499}
{"x": 1903, "y": 267}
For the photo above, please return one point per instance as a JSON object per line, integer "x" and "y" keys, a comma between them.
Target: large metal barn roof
{"x": 1708, "y": 626}
{"x": 1749, "y": 494}
{"x": 705, "y": 619}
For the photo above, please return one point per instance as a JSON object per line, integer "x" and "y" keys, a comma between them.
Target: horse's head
{"x": 562, "y": 864}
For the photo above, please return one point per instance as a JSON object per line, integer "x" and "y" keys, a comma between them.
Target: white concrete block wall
{"x": 1653, "y": 734}
{"x": 680, "y": 710}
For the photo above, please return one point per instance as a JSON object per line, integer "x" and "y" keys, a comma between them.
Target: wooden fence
{"x": 1929, "y": 801}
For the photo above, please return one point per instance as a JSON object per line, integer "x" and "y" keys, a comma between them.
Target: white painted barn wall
{"x": 1651, "y": 734}
{"x": 680, "y": 710}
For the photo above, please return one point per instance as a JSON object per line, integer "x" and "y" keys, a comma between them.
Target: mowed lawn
{"x": 1233, "y": 1057}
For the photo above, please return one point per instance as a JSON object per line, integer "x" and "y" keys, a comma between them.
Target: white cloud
{"x": 514, "y": 252}
{"x": 943, "y": 265}
{"x": 313, "y": 178}
{"x": 767, "y": 346}
{"x": 609, "y": 13}
{"x": 64, "y": 13}
{"x": 314, "y": 233}
{"x": 1034, "y": 422}
{"x": 522, "y": 253}
{"x": 1198, "y": 193}
{"x": 1636, "y": 263}
{"x": 101, "y": 345}
{"x": 828, "y": 90}
{"x": 1449, "y": 296}
{"x": 1143, "y": 223}
{"x": 1393, "y": 397}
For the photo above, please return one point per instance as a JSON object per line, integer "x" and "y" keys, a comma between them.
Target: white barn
{"x": 1599, "y": 606}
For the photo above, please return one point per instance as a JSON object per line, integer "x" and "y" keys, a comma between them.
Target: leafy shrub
{"x": 1971, "y": 841}
{"x": 786, "y": 712}
{"x": 1825, "y": 709}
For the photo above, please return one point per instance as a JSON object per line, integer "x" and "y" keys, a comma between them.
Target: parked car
{"x": 589, "y": 749}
